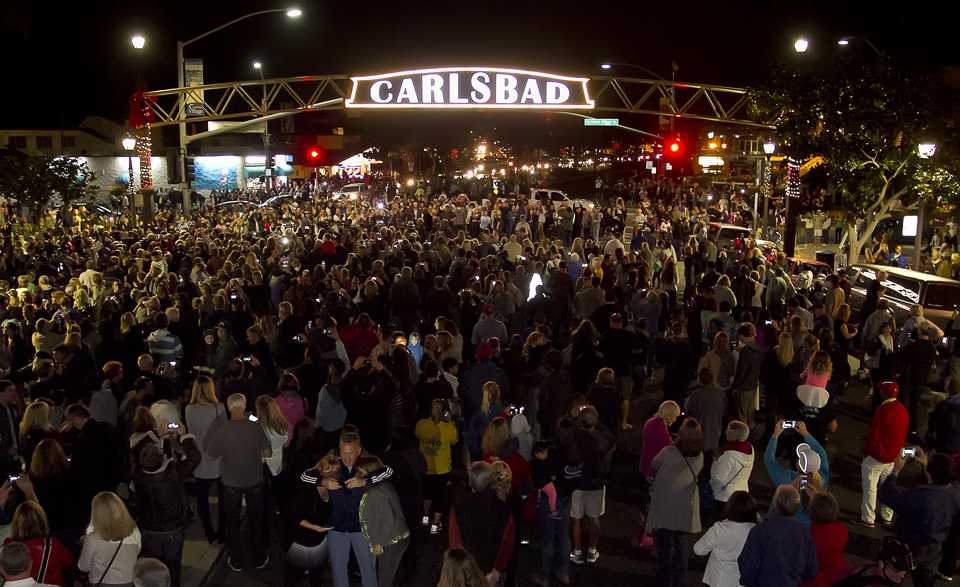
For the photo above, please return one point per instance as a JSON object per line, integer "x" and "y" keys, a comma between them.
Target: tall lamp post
{"x": 291, "y": 12}
{"x": 129, "y": 144}
{"x": 267, "y": 160}
{"x": 924, "y": 151}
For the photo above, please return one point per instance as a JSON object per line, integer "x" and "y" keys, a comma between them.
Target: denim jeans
{"x": 246, "y": 543}
{"x": 166, "y": 546}
{"x": 554, "y": 531}
{"x": 201, "y": 490}
{"x": 673, "y": 556}
{"x": 340, "y": 545}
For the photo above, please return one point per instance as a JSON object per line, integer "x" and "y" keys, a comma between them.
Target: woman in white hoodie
{"x": 731, "y": 471}
{"x": 724, "y": 541}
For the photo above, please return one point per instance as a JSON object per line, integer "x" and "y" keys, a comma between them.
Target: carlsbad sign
{"x": 470, "y": 88}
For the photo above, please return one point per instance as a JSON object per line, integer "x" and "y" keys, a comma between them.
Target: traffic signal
{"x": 674, "y": 147}
{"x": 313, "y": 156}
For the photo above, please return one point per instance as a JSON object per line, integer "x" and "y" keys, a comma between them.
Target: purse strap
{"x": 110, "y": 564}
{"x": 44, "y": 560}
{"x": 735, "y": 475}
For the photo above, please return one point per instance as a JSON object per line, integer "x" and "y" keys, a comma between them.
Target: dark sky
{"x": 64, "y": 60}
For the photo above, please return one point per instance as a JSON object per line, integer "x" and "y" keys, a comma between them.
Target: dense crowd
{"x": 378, "y": 377}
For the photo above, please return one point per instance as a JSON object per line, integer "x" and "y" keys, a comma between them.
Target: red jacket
{"x": 59, "y": 559}
{"x": 888, "y": 431}
{"x": 830, "y": 538}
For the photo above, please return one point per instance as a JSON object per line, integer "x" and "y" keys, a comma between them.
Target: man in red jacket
{"x": 885, "y": 440}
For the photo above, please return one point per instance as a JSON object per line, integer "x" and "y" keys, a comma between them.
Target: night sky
{"x": 71, "y": 59}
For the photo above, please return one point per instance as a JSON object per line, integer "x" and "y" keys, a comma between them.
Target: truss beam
{"x": 246, "y": 100}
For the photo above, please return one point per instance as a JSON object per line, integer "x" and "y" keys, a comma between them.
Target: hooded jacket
{"x": 731, "y": 471}
{"x": 161, "y": 497}
{"x": 381, "y": 516}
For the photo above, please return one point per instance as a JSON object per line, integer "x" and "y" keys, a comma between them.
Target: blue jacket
{"x": 779, "y": 552}
{"x": 924, "y": 513}
{"x": 345, "y": 504}
{"x": 780, "y": 475}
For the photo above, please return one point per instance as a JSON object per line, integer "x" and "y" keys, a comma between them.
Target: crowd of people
{"x": 381, "y": 378}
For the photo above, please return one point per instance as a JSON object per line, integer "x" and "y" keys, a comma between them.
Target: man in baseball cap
{"x": 885, "y": 439}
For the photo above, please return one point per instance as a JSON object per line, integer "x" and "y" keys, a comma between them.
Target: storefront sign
{"x": 470, "y": 88}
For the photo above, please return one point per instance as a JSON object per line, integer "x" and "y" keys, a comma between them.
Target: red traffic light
{"x": 675, "y": 146}
{"x": 314, "y": 154}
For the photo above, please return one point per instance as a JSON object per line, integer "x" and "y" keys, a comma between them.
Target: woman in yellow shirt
{"x": 436, "y": 435}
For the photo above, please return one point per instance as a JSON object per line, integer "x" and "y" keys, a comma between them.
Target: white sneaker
{"x": 593, "y": 555}
{"x": 576, "y": 557}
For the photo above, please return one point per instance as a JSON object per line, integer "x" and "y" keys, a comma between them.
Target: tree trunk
{"x": 856, "y": 241}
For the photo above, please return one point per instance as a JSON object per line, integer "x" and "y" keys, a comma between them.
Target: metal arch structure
{"x": 254, "y": 99}
{"x": 659, "y": 97}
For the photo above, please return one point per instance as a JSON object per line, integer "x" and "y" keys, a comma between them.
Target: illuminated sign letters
{"x": 470, "y": 88}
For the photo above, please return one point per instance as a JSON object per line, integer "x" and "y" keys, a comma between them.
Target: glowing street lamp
{"x": 257, "y": 65}
{"x": 926, "y": 150}
{"x": 292, "y": 12}
{"x": 138, "y": 41}
{"x": 801, "y": 45}
{"x": 769, "y": 147}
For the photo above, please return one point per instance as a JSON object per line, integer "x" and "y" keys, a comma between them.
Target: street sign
{"x": 601, "y": 122}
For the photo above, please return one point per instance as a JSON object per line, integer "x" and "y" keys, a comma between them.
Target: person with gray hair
{"x": 241, "y": 443}
{"x": 483, "y": 524}
{"x": 731, "y": 471}
{"x": 779, "y": 550}
{"x": 15, "y": 566}
{"x": 150, "y": 572}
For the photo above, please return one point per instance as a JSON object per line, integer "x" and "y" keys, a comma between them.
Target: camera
{"x": 172, "y": 425}
{"x": 13, "y": 478}
{"x": 247, "y": 359}
{"x": 804, "y": 480}
{"x": 252, "y": 418}
{"x": 908, "y": 452}
{"x": 789, "y": 424}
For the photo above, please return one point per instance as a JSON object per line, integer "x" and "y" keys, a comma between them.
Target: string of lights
{"x": 793, "y": 178}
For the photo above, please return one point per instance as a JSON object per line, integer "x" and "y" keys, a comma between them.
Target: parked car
{"x": 350, "y": 191}
{"x": 728, "y": 234}
{"x": 556, "y": 198}
{"x": 939, "y": 296}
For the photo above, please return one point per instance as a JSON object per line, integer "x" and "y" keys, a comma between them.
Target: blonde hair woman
{"x": 460, "y": 569}
{"x": 112, "y": 544}
{"x": 34, "y": 427}
{"x": 495, "y": 438}
{"x": 275, "y": 426}
{"x": 202, "y": 413}
{"x": 490, "y": 408}
{"x": 720, "y": 360}
{"x": 656, "y": 434}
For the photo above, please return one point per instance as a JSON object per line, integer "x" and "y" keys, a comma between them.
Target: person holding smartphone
{"x": 883, "y": 444}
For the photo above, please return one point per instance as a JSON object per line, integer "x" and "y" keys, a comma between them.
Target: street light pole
{"x": 267, "y": 161}
{"x": 182, "y": 125}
